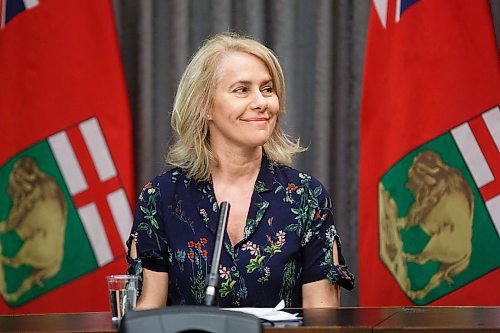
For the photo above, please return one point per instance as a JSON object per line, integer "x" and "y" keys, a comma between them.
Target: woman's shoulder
{"x": 292, "y": 175}
{"x": 171, "y": 175}
{"x": 169, "y": 179}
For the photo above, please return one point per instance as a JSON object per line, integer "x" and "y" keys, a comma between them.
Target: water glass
{"x": 122, "y": 290}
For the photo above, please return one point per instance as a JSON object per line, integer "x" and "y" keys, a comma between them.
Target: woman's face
{"x": 245, "y": 106}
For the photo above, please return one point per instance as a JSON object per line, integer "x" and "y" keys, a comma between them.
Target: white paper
{"x": 270, "y": 314}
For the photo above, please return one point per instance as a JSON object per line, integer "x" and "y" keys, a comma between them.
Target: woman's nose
{"x": 259, "y": 101}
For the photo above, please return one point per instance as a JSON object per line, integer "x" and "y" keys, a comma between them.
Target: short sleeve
{"x": 148, "y": 233}
{"x": 317, "y": 243}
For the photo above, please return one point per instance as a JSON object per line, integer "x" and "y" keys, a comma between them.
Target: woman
{"x": 280, "y": 241}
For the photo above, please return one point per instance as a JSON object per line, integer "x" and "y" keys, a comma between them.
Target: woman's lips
{"x": 256, "y": 119}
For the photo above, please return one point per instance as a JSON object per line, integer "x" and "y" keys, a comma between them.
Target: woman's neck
{"x": 237, "y": 167}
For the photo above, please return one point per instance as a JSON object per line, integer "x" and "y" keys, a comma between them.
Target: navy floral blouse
{"x": 288, "y": 239}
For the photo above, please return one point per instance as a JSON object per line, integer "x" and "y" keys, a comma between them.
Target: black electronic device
{"x": 189, "y": 318}
{"x": 213, "y": 276}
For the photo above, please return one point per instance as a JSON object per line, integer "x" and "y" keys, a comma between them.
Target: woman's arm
{"x": 154, "y": 286}
{"x": 154, "y": 290}
{"x": 322, "y": 294}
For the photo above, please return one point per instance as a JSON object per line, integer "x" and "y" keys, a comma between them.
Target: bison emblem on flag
{"x": 38, "y": 216}
{"x": 439, "y": 211}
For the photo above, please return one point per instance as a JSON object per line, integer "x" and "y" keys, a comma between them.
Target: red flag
{"x": 66, "y": 165}
{"x": 430, "y": 148}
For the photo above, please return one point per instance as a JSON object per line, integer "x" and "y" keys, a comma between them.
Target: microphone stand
{"x": 213, "y": 277}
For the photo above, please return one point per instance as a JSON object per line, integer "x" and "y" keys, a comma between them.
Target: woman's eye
{"x": 241, "y": 90}
{"x": 268, "y": 90}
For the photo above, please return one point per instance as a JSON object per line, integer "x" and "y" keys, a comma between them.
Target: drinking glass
{"x": 122, "y": 290}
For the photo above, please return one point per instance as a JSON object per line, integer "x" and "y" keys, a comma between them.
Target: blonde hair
{"x": 192, "y": 151}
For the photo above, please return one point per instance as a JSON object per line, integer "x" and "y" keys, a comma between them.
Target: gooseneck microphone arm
{"x": 213, "y": 277}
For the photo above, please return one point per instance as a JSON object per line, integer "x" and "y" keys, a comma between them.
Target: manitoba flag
{"x": 66, "y": 157}
{"x": 430, "y": 156}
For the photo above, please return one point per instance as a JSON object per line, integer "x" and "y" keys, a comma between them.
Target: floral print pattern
{"x": 287, "y": 241}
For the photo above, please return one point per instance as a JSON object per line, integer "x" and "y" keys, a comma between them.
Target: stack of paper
{"x": 275, "y": 315}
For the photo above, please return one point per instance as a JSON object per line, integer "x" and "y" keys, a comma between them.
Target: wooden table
{"x": 388, "y": 319}
{"x": 442, "y": 319}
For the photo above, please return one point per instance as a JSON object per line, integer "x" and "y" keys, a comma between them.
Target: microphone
{"x": 213, "y": 277}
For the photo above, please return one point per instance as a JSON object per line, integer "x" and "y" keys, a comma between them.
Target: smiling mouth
{"x": 256, "y": 119}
